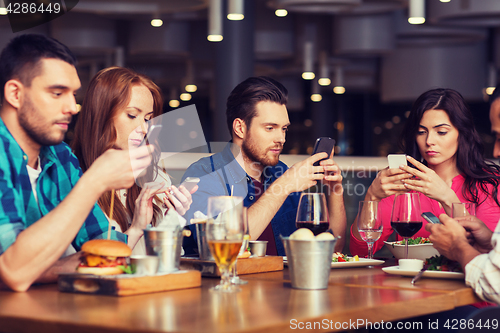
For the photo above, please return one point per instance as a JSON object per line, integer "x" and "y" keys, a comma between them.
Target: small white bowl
{"x": 419, "y": 251}
{"x": 410, "y": 264}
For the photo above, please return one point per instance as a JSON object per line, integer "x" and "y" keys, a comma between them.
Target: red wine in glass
{"x": 406, "y": 229}
{"x": 316, "y": 228}
{"x": 405, "y": 217}
{"x": 312, "y": 213}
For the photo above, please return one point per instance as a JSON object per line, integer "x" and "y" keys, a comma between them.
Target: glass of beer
{"x": 225, "y": 231}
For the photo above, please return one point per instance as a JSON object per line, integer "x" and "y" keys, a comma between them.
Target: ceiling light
{"x": 188, "y": 81}
{"x": 444, "y": 0}
{"x": 308, "y": 72}
{"x": 339, "y": 81}
{"x": 324, "y": 81}
{"x": 173, "y": 103}
{"x": 492, "y": 79}
{"x": 156, "y": 22}
{"x": 316, "y": 93}
{"x": 324, "y": 70}
{"x": 416, "y": 11}
{"x": 215, "y": 21}
{"x": 3, "y": 10}
{"x": 338, "y": 90}
{"x": 235, "y": 10}
{"x": 316, "y": 97}
{"x": 281, "y": 12}
{"x": 185, "y": 97}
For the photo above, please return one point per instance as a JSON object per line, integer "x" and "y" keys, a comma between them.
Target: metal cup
{"x": 144, "y": 265}
{"x": 258, "y": 248}
{"x": 201, "y": 240}
{"x": 309, "y": 262}
{"x": 165, "y": 243}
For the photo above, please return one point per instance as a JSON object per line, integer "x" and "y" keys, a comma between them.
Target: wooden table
{"x": 266, "y": 304}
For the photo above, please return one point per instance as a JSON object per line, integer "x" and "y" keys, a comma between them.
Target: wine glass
{"x": 405, "y": 218}
{"x": 461, "y": 209}
{"x": 369, "y": 224}
{"x": 235, "y": 279}
{"x": 313, "y": 213}
{"x": 225, "y": 230}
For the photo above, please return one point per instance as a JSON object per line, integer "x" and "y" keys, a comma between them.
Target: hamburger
{"x": 104, "y": 257}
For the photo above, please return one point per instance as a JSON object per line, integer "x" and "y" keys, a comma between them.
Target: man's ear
{"x": 13, "y": 93}
{"x": 239, "y": 128}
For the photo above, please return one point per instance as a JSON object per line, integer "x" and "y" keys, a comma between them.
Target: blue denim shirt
{"x": 220, "y": 174}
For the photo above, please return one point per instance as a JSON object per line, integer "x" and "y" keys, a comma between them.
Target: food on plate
{"x": 412, "y": 241}
{"x": 104, "y": 257}
{"x": 325, "y": 236}
{"x": 302, "y": 234}
{"x": 245, "y": 254}
{"x": 443, "y": 264}
{"x": 340, "y": 257}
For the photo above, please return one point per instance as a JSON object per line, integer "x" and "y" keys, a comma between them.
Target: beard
{"x": 34, "y": 124}
{"x": 259, "y": 155}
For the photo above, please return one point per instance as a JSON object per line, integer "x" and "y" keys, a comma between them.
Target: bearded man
{"x": 249, "y": 167}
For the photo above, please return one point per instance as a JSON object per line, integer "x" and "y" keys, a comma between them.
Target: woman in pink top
{"x": 440, "y": 133}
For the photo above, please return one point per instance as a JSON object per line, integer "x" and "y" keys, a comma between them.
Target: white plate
{"x": 430, "y": 274}
{"x": 361, "y": 263}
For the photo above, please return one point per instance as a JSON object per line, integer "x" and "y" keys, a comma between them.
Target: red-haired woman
{"x": 114, "y": 114}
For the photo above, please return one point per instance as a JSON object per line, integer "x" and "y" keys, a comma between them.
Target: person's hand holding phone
{"x": 179, "y": 198}
{"x": 428, "y": 182}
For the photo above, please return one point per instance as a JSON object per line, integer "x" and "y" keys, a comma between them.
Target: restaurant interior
{"x": 368, "y": 61}
{"x": 352, "y": 69}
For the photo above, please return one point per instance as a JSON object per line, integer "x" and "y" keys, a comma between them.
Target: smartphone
{"x": 395, "y": 160}
{"x": 190, "y": 182}
{"x": 152, "y": 135}
{"x": 323, "y": 145}
{"x": 431, "y": 218}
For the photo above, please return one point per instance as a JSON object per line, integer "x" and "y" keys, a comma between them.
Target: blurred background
{"x": 369, "y": 63}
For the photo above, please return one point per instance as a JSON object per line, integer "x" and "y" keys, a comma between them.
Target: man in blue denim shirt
{"x": 45, "y": 201}
{"x": 249, "y": 167}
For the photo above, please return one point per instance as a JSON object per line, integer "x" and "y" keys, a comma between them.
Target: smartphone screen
{"x": 323, "y": 145}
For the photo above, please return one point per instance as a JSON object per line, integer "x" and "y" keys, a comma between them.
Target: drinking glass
{"x": 405, "y": 218}
{"x": 313, "y": 213}
{"x": 225, "y": 230}
{"x": 369, "y": 224}
{"x": 235, "y": 279}
{"x": 460, "y": 209}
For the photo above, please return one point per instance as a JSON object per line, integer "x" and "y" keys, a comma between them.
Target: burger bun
{"x": 107, "y": 248}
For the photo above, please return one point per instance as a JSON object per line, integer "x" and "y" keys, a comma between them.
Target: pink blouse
{"x": 488, "y": 212}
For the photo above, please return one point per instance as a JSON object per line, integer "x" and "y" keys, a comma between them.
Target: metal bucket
{"x": 309, "y": 262}
{"x": 201, "y": 239}
{"x": 166, "y": 243}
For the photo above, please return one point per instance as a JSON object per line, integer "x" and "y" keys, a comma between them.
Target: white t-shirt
{"x": 34, "y": 174}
